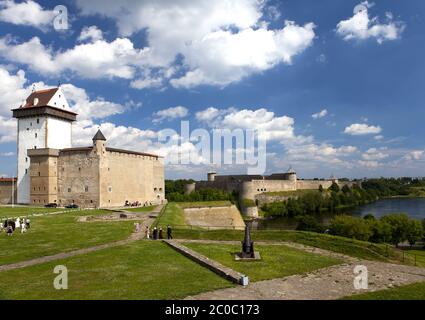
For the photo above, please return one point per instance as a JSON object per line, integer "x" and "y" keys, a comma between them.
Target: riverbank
{"x": 413, "y": 207}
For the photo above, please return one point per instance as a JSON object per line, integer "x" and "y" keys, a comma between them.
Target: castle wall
{"x": 43, "y": 176}
{"x": 130, "y": 177}
{"x": 313, "y": 184}
{"x": 78, "y": 178}
{"x": 250, "y": 189}
{"x": 6, "y": 191}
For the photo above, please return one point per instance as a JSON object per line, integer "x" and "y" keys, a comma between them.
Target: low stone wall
{"x": 214, "y": 266}
{"x": 225, "y": 217}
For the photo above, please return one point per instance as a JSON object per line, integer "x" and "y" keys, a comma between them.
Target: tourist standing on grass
{"x": 161, "y": 236}
{"x": 155, "y": 233}
{"x": 147, "y": 231}
{"x": 27, "y": 222}
{"x": 169, "y": 236}
{"x": 23, "y": 228}
{"x": 9, "y": 230}
{"x": 18, "y": 223}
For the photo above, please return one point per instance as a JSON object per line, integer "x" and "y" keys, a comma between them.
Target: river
{"x": 413, "y": 207}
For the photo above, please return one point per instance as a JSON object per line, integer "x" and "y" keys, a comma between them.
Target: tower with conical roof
{"x": 44, "y": 121}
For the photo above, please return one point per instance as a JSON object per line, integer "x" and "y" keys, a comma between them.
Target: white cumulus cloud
{"x": 361, "y": 26}
{"x": 27, "y": 12}
{"x": 320, "y": 114}
{"x": 360, "y": 129}
{"x": 170, "y": 114}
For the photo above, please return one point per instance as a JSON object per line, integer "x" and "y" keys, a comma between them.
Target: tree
{"x": 309, "y": 223}
{"x": 400, "y": 226}
{"x": 350, "y": 227}
{"x": 415, "y": 231}
{"x": 346, "y": 189}
{"x": 334, "y": 187}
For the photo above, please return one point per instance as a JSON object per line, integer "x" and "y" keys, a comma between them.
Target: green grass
{"x": 420, "y": 257}
{"x": 60, "y": 233}
{"x": 351, "y": 247}
{"x": 414, "y": 291}
{"x": 18, "y": 211}
{"x": 277, "y": 260}
{"x": 140, "y": 209}
{"x": 172, "y": 215}
{"x": 141, "y": 270}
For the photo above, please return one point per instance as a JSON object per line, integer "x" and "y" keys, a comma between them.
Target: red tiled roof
{"x": 7, "y": 179}
{"x": 43, "y": 97}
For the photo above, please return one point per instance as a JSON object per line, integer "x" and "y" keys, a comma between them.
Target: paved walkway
{"x": 133, "y": 237}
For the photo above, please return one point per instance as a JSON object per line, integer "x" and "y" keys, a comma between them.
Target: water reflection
{"x": 414, "y": 208}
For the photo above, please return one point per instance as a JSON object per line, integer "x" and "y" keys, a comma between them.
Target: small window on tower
{"x": 38, "y": 121}
{"x": 35, "y": 147}
{"x": 86, "y": 189}
{"x": 26, "y": 159}
{"x": 36, "y": 135}
{"x": 26, "y": 171}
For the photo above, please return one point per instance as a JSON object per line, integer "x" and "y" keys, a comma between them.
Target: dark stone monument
{"x": 248, "y": 252}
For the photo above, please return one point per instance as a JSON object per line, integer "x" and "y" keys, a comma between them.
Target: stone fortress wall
{"x": 255, "y": 187}
{"x": 95, "y": 177}
{"x": 6, "y": 187}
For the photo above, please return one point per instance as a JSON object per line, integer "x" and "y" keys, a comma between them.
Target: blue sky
{"x": 135, "y": 68}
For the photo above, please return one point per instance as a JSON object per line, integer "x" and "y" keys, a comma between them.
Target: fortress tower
{"x": 44, "y": 121}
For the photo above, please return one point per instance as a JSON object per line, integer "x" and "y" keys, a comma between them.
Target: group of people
{"x": 10, "y": 225}
{"x": 156, "y": 233}
{"x": 136, "y": 204}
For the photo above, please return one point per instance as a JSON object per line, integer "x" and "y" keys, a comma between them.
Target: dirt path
{"x": 133, "y": 237}
{"x": 325, "y": 284}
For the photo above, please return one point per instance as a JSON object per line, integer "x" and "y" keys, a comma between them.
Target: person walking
{"x": 169, "y": 236}
{"x": 147, "y": 231}
{"x": 161, "y": 236}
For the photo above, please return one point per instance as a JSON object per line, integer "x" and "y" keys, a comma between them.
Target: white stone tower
{"x": 44, "y": 121}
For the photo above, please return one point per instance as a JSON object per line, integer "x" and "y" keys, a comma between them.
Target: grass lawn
{"x": 140, "y": 209}
{"x": 351, "y": 247}
{"x": 420, "y": 257}
{"x": 18, "y": 211}
{"x": 414, "y": 291}
{"x": 173, "y": 215}
{"x": 277, "y": 260}
{"x": 174, "y": 212}
{"x": 58, "y": 233}
{"x": 141, "y": 270}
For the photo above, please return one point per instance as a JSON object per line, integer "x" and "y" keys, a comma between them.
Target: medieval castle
{"x": 50, "y": 170}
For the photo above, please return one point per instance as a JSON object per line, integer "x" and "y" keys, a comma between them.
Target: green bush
{"x": 350, "y": 227}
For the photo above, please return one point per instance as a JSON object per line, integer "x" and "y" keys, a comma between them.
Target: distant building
{"x": 51, "y": 171}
